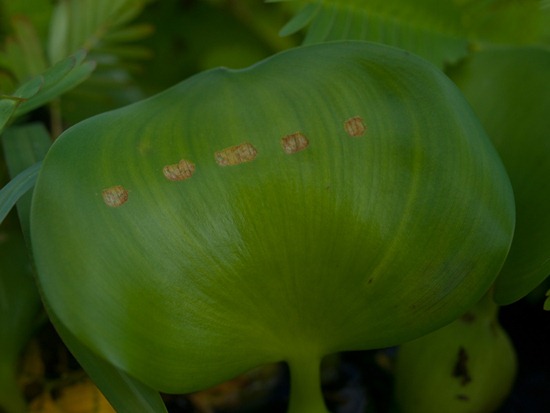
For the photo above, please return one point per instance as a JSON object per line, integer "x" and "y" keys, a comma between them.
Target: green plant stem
{"x": 56, "y": 119}
{"x": 305, "y": 386}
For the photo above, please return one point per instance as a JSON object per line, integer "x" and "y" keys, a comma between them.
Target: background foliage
{"x": 66, "y": 60}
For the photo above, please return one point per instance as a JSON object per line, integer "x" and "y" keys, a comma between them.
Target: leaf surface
{"x": 440, "y": 31}
{"x": 331, "y": 216}
{"x": 125, "y": 394}
{"x": 510, "y": 91}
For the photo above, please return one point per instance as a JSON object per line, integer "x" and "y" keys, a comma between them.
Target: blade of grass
{"x": 16, "y": 188}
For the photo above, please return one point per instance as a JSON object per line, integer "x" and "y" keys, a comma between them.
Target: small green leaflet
{"x": 16, "y": 188}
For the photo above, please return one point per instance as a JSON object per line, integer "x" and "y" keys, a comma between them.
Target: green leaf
{"x": 124, "y": 393}
{"x": 440, "y": 31}
{"x": 61, "y": 69}
{"x": 356, "y": 204}
{"x": 10, "y": 103}
{"x": 509, "y": 89}
{"x": 25, "y": 146}
{"x": 19, "y": 309}
{"x": 55, "y": 81}
{"x": 103, "y": 28}
{"x": 59, "y": 79}
{"x": 29, "y": 89}
{"x": 300, "y": 20}
{"x": 7, "y": 109}
{"x": 470, "y": 362}
{"x": 509, "y": 22}
{"x": 547, "y": 301}
{"x": 16, "y": 188}
{"x": 20, "y": 304}
{"x": 85, "y": 24}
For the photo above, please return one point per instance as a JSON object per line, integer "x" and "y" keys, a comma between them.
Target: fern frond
{"x": 93, "y": 24}
{"x": 106, "y": 30}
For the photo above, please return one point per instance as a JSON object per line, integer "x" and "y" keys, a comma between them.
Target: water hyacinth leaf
{"x": 124, "y": 393}
{"x": 510, "y": 91}
{"x": 469, "y": 365}
{"x": 343, "y": 215}
{"x": 438, "y": 31}
{"x": 25, "y": 145}
{"x": 430, "y": 30}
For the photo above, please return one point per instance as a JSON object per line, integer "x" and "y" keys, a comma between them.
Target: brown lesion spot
{"x": 180, "y": 171}
{"x": 355, "y": 126}
{"x": 115, "y": 196}
{"x": 460, "y": 369}
{"x": 294, "y": 142}
{"x": 235, "y": 155}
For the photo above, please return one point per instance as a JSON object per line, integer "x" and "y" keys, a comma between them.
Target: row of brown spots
{"x": 235, "y": 155}
{"x": 117, "y": 195}
{"x": 179, "y": 171}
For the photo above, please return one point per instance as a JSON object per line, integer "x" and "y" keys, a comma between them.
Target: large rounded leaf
{"x": 510, "y": 92}
{"x": 333, "y": 197}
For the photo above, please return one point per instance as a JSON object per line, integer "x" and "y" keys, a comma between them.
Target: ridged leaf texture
{"x": 441, "y": 31}
{"x": 250, "y": 216}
